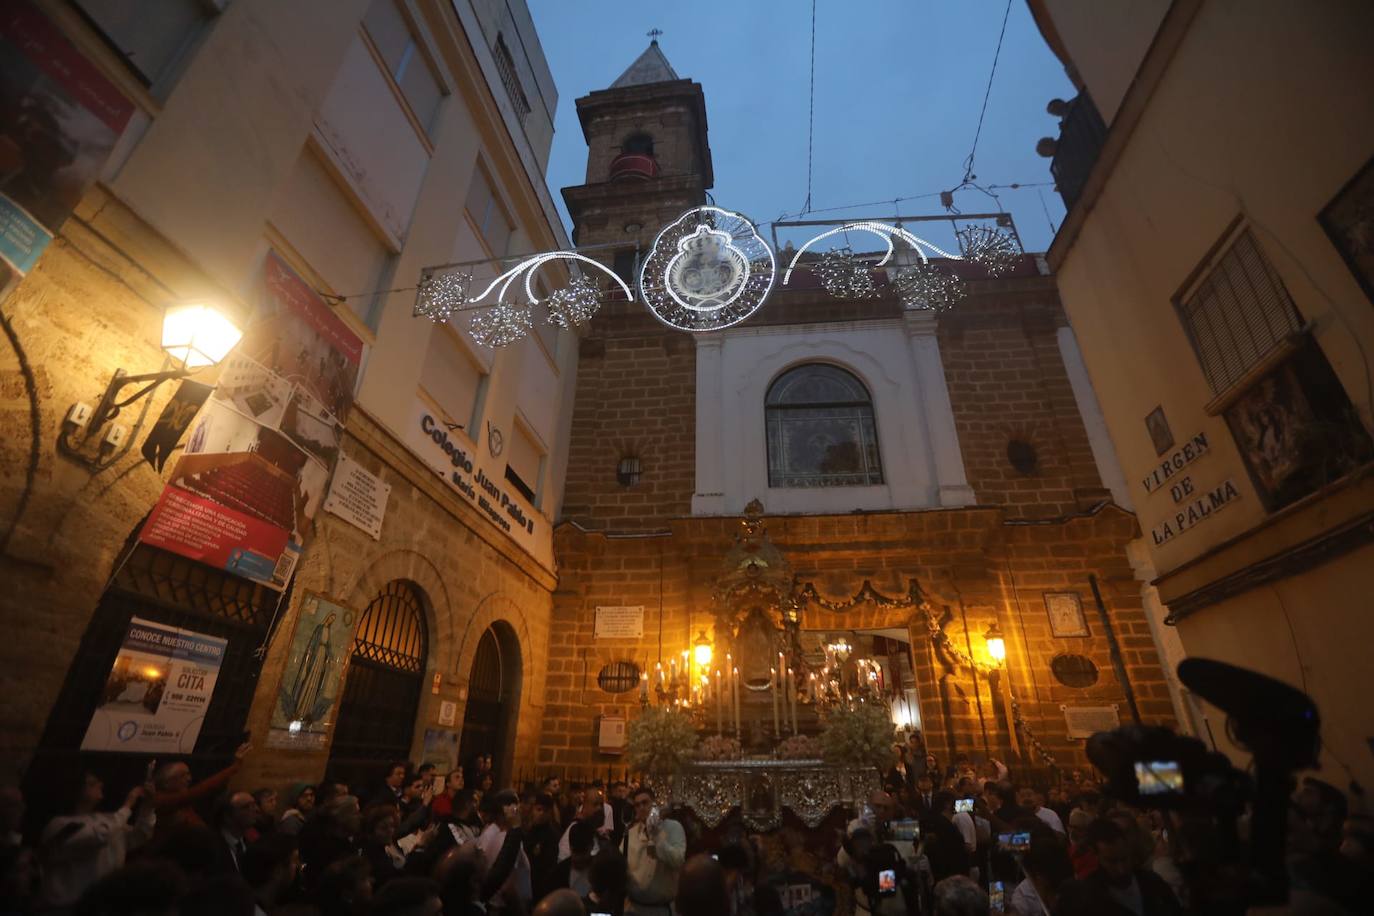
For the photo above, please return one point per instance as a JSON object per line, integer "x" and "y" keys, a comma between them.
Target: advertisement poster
{"x": 310, "y": 682}
{"x": 59, "y": 119}
{"x": 157, "y": 692}
{"x": 256, "y": 465}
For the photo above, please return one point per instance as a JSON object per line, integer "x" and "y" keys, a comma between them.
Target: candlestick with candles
{"x": 734, "y": 690}
{"x": 719, "y": 697}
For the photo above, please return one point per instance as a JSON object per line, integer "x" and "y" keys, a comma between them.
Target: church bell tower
{"x": 632, "y": 464}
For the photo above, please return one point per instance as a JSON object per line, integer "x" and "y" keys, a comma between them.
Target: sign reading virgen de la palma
{"x": 1193, "y": 504}
{"x": 449, "y": 455}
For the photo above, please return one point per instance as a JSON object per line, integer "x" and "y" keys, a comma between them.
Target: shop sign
{"x": 157, "y": 692}
{"x": 506, "y": 509}
{"x": 1195, "y": 511}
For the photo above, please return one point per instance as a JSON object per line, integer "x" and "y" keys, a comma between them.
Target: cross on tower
{"x": 653, "y": 34}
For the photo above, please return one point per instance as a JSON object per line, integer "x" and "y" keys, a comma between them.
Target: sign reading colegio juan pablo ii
{"x": 450, "y": 456}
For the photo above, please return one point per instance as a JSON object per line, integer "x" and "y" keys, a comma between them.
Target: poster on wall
{"x": 441, "y": 749}
{"x": 313, "y": 674}
{"x": 257, "y": 463}
{"x": 59, "y": 119}
{"x": 157, "y": 692}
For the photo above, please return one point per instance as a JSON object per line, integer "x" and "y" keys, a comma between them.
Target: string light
{"x": 707, "y": 270}
{"x": 441, "y": 292}
{"x": 845, "y": 276}
{"x": 996, "y": 251}
{"x": 501, "y": 325}
{"x": 574, "y": 304}
{"x": 925, "y": 286}
{"x": 885, "y": 231}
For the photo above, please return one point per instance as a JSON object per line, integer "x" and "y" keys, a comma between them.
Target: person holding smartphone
{"x": 656, "y": 848}
{"x": 82, "y": 847}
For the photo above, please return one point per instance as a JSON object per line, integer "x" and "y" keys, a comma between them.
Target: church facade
{"x": 929, "y": 482}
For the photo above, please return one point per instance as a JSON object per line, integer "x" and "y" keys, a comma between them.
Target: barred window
{"x": 821, "y": 431}
{"x": 1237, "y": 313}
{"x": 505, "y": 65}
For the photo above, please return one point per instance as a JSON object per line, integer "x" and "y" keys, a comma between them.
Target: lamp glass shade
{"x": 701, "y": 652}
{"x": 997, "y": 646}
{"x": 198, "y": 335}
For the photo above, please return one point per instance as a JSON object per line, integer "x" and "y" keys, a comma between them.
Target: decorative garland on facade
{"x": 915, "y": 598}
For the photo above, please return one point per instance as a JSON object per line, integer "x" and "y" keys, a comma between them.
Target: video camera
{"x": 1151, "y": 767}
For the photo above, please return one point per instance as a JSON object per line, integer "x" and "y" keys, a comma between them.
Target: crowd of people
{"x": 951, "y": 840}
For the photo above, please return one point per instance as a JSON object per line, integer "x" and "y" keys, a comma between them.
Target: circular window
{"x": 1022, "y": 456}
{"x": 618, "y": 677}
{"x": 1074, "y": 670}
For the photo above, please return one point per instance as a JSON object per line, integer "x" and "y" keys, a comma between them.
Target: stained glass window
{"x": 820, "y": 430}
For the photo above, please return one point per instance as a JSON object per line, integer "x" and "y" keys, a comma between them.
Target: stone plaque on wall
{"x": 1086, "y": 721}
{"x": 620, "y": 622}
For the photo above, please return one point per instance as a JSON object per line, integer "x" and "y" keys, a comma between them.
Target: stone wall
{"x": 975, "y": 566}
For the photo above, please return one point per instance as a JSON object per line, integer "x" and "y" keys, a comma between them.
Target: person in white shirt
{"x": 655, "y": 848}
{"x": 599, "y": 814}
{"x": 503, "y": 810}
{"x": 1047, "y": 867}
{"x": 82, "y": 847}
{"x": 1045, "y": 814}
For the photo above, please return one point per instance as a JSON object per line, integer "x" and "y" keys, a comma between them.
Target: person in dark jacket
{"x": 1116, "y": 887}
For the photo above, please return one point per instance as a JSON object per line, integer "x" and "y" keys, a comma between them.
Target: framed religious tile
{"x": 1158, "y": 427}
{"x": 1349, "y": 220}
{"x": 1065, "y": 610}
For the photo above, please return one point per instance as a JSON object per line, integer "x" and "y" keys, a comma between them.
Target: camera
{"x": 1151, "y": 767}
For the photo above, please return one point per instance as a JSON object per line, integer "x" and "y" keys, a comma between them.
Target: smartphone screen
{"x": 1020, "y": 842}
{"x": 996, "y": 897}
{"x": 887, "y": 881}
{"x": 963, "y": 804}
{"x": 907, "y": 830}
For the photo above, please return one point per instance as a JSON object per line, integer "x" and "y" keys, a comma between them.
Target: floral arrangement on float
{"x": 659, "y": 740}
{"x": 800, "y": 747}
{"x": 720, "y": 747}
{"x": 859, "y": 736}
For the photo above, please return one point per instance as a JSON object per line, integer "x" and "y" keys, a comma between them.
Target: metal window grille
{"x": 505, "y": 64}
{"x": 392, "y": 631}
{"x": 485, "y": 683}
{"x": 618, "y": 677}
{"x": 1238, "y": 313}
{"x": 819, "y": 403}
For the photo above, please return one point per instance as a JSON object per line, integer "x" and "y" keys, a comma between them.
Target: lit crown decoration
{"x": 574, "y": 304}
{"x": 501, "y": 324}
{"x": 441, "y": 292}
{"x": 993, "y": 249}
{"x": 845, "y": 276}
{"x": 925, "y": 286}
{"x": 708, "y": 269}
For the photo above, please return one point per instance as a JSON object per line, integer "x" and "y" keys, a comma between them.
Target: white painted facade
{"x": 898, "y": 361}
{"x": 288, "y": 128}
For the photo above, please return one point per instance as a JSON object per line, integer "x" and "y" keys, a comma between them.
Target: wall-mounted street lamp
{"x": 997, "y": 645}
{"x": 194, "y": 336}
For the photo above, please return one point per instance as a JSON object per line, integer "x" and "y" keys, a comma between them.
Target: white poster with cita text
{"x": 157, "y": 692}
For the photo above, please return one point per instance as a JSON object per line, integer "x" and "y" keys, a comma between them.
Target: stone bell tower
{"x": 632, "y": 454}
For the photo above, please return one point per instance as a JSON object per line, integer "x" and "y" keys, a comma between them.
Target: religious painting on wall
{"x": 1296, "y": 429}
{"x": 1349, "y": 220}
{"x": 313, "y": 674}
{"x": 1065, "y": 610}
{"x": 1158, "y": 427}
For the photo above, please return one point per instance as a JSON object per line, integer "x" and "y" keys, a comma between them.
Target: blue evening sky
{"x": 899, "y": 84}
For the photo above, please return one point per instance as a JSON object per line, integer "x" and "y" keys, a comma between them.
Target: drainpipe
{"x": 1117, "y": 661}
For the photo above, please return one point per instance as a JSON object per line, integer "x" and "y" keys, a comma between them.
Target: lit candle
{"x": 672, "y": 666}
{"x": 658, "y": 674}
{"x": 720, "y": 706}
{"x": 773, "y": 684}
{"x": 644, "y": 687}
{"x": 734, "y": 690}
{"x": 792, "y": 698}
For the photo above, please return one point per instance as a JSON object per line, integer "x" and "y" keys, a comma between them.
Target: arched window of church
{"x": 821, "y": 431}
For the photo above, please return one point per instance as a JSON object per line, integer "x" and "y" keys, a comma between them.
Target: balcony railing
{"x": 1081, "y": 134}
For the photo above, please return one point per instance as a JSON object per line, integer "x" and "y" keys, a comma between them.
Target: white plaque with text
{"x": 1086, "y": 721}
{"x": 358, "y": 496}
{"x": 620, "y": 622}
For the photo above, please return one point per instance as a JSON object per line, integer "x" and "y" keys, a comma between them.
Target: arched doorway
{"x": 493, "y": 700}
{"x": 381, "y": 694}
